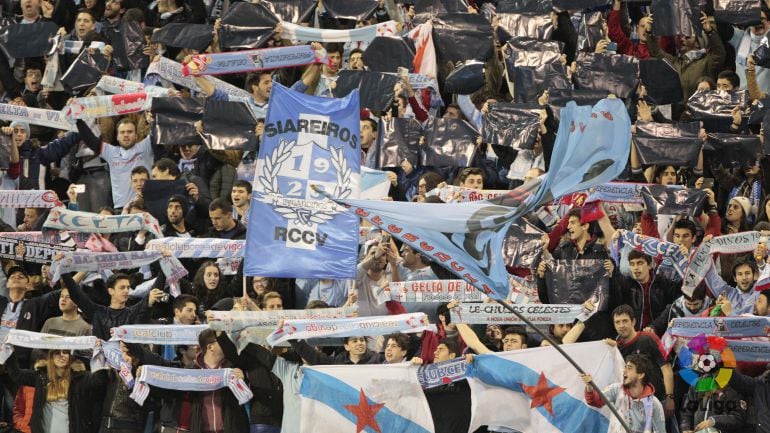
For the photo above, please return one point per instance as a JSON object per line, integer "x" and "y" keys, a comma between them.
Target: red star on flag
{"x": 541, "y": 394}
{"x": 365, "y": 413}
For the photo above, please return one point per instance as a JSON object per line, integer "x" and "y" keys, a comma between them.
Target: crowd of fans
{"x": 114, "y": 157}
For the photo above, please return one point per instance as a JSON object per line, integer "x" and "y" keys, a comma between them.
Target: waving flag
{"x": 538, "y": 391}
{"x": 294, "y": 231}
{"x": 591, "y": 148}
{"x": 363, "y": 398}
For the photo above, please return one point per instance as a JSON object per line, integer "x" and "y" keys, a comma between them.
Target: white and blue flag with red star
{"x": 363, "y": 398}
{"x": 538, "y": 391}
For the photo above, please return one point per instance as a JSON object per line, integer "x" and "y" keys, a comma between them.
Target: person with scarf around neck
{"x": 634, "y": 398}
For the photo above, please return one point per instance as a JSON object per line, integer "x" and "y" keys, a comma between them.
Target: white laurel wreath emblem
{"x": 268, "y": 179}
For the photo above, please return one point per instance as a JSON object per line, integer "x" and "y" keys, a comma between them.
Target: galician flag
{"x": 363, "y": 398}
{"x": 539, "y": 391}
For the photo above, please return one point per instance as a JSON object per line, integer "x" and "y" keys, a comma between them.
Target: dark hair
{"x": 401, "y": 340}
{"x": 761, "y": 212}
{"x": 221, "y": 204}
{"x": 182, "y": 300}
{"x": 316, "y": 304}
{"x": 443, "y": 309}
{"x": 707, "y": 79}
{"x": 576, "y": 212}
{"x": 432, "y": 179}
{"x": 335, "y": 47}
{"x": 89, "y": 12}
{"x": 180, "y": 200}
{"x": 659, "y": 169}
{"x": 516, "y": 330}
{"x": 355, "y": 51}
{"x": 688, "y": 225}
{"x": 140, "y": 169}
{"x": 624, "y": 309}
{"x": 371, "y": 122}
{"x": 114, "y": 278}
{"x": 455, "y": 106}
{"x": 732, "y": 77}
{"x": 698, "y": 294}
{"x": 255, "y": 78}
{"x": 744, "y": 262}
{"x": 168, "y": 166}
{"x": 452, "y": 345}
{"x": 206, "y": 337}
{"x": 469, "y": 171}
{"x": 636, "y": 254}
{"x": 207, "y": 297}
{"x": 643, "y": 366}
{"x": 133, "y": 14}
{"x": 137, "y": 204}
{"x": 243, "y": 184}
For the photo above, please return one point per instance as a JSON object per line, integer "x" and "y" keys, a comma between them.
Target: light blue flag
{"x": 467, "y": 238}
{"x": 293, "y": 230}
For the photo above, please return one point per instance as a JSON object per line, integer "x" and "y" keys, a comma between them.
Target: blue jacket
{"x": 32, "y": 157}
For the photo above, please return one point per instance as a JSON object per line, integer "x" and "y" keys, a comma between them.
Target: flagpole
{"x": 558, "y": 348}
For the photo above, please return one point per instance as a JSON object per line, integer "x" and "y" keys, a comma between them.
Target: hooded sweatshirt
{"x": 632, "y": 409}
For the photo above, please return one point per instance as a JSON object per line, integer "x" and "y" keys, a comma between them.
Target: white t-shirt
{"x": 121, "y": 162}
{"x": 367, "y": 294}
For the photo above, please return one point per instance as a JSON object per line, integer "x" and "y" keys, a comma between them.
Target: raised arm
{"x": 86, "y": 305}
{"x": 471, "y": 339}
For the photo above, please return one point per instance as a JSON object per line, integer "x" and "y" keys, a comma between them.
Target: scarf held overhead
{"x": 20, "y": 199}
{"x": 236, "y": 62}
{"x": 352, "y": 327}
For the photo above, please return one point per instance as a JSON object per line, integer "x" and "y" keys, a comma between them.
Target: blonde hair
{"x": 58, "y": 386}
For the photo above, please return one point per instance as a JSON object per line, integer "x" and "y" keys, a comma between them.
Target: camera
{"x": 165, "y": 298}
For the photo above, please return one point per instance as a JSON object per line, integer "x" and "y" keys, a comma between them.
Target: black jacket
{"x": 105, "y": 318}
{"x": 726, "y": 408}
{"x": 119, "y": 410}
{"x": 759, "y": 388}
{"x": 314, "y": 357}
{"x": 239, "y": 233}
{"x": 85, "y": 388}
{"x": 662, "y": 293}
{"x": 34, "y": 312}
{"x": 673, "y": 311}
{"x": 599, "y": 326}
{"x": 267, "y": 404}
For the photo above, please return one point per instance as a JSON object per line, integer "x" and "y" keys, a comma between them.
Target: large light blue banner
{"x": 591, "y": 148}
{"x": 294, "y": 231}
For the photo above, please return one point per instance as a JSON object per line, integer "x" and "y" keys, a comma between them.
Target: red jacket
{"x": 625, "y": 46}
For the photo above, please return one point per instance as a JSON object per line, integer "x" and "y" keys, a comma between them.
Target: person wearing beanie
{"x": 738, "y": 215}
{"x": 736, "y": 220}
{"x": 177, "y": 208}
